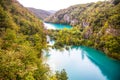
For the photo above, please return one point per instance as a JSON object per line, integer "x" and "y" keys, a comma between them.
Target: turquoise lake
{"x": 56, "y": 26}
{"x": 83, "y": 63}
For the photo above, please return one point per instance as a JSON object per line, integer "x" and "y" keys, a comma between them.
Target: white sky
{"x": 53, "y": 4}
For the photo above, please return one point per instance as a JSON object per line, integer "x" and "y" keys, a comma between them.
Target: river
{"x": 83, "y": 63}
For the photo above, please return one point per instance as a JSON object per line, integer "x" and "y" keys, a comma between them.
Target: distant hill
{"x": 42, "y": 14}
{"x": 52, "y": 11}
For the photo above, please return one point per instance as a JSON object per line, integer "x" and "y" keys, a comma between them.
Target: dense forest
{"x": 94, "y": 24}
{"x": 22, "y": 39}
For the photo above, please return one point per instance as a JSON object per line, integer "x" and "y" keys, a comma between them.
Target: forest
{"x": 22, "y": 39}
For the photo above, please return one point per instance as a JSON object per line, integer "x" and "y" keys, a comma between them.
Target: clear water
{"x": 84, "y": 63}
{"x": 56, "y": 26}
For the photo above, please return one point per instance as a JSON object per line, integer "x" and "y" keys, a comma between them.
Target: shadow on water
{"x": 109, "y": 67}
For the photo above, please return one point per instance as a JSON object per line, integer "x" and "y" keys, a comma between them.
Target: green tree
{"x": 61, "y": 75}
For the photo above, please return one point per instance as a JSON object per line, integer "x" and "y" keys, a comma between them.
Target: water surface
{"x": 81, "y": 63}
{"x": 84, "y": 63}
{"x": 56, "y": 26}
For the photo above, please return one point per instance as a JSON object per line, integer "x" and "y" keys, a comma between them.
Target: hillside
{"x": 42, "y": 14}
{"x": 81, "y": 13}
{"x": 21, "y": 42}
{"x": 94, "y": 24}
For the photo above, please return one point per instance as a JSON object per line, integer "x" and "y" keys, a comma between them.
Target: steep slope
{"x": 22, "y": 39}
{"x": 42, "y": 14}
{"x": 80, "y": 14}
{"x": 96, "y": 25}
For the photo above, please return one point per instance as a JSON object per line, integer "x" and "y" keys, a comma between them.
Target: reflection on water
{"x": 83, "y": 63}
{"x": 109, "y": 67}
{"x": 56, "y": 26}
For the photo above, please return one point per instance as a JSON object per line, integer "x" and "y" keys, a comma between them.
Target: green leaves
{"x": 114, "y": 21}
{"x": 21, "y": 42}
{"x": 61, "y": 75}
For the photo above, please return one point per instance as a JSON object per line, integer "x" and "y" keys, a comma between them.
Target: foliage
{"x": 60, "y": 75}
{"x": 22, "y": 39}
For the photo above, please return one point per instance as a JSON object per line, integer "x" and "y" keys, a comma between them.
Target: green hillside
{"x": 94, "y": 24}
{"x": 22, "y": 39}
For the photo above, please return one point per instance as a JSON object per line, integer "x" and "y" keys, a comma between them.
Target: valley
{"x": 81, "y": 42}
